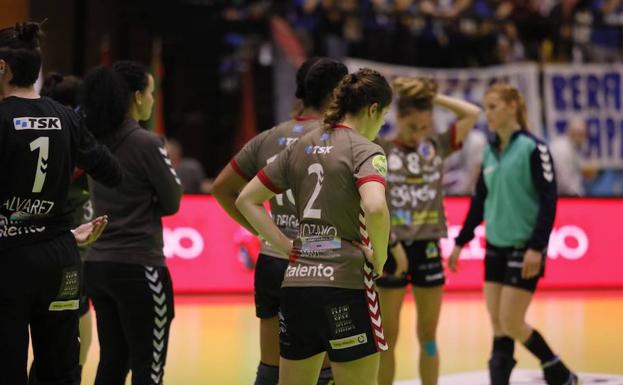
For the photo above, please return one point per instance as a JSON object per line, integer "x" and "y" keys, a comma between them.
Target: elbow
{"x": 243, "y": 203}
{"x": 171, "y": 208}
{"x": 471, "y": 116}
{"x": 474, "y": 112}
{"x": 172, "y": 205}
{"x": 375, "y": 207}
{"x": 218, "y": 190}
{"x": 240, "y": 201}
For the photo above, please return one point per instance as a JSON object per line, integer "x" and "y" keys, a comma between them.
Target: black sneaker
{"x": 500, "y": 368}
{"x": 574, "y": 379}
{"x": 556, "y": 373}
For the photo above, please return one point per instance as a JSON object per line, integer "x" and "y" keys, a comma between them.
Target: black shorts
{"x": 269, "y": 273}
{"x": 85, "y": 303}
{"x": 346, "y": 323}
{"x": 425, "y": 266}
{"x": 39, "y": 288}
{"x": 503, "y": 265}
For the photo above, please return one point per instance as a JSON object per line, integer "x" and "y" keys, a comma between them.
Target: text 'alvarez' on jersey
{"x": 262, "y": 150}
{"x": 41, "y": 142}
{"x": 324, "y": 170}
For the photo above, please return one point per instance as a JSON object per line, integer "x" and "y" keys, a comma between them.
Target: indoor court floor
{"x": 214, "y": 339}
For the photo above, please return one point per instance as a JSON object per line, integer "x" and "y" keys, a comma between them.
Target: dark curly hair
{"x": 322, "y": 77}
{"x": 105, "y": 99}
{"x": 356, "y": 91}
{"x": 63, "y": 89}
{"x": 301, "y": 74}
{"x": 19, "y": 47}
{"x": 134, "y": 74}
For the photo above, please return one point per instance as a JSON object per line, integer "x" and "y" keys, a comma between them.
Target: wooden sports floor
{"x": 214, "y": 339}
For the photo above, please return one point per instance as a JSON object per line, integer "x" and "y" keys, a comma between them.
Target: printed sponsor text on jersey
{"x": 29, "y": 123}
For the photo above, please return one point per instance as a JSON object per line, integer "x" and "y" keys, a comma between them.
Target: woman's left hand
{"x": 532, "y": 260}
{"x": 368, "y": 254}
{"x": 88, "y": 233}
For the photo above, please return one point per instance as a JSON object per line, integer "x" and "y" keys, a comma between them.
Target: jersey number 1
{"x": 43, "y": 145}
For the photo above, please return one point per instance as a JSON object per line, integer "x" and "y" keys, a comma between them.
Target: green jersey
{"x": 515, "y": 194}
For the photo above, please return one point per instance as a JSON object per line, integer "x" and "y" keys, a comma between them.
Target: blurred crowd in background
{"x": 227, "y": 66}
{"x": 447, "y": 34}
{"x": 457, "y": 33}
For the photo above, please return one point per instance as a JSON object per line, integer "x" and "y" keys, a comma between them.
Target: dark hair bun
{"x": 29, "y": 32}
{"x": 301, "y": 74}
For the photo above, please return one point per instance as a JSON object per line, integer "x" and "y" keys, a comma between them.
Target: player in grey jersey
{"x": 415, "y": 197}
{"x": 316, "y": 79}
{"x": 337, "y": 176}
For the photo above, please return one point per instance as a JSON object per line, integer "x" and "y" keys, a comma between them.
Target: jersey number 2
{"x": 43, "y": 145}
{"x": 315, "y": 168}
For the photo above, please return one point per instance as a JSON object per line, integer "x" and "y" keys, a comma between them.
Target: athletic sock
{"x": 267, "y": 374}
{"x": 554, "y": 370}
{"x": 504, "y": 345}
{"x": 537, "y": 346}
{"x": 502, "y": 362}
{"x": 326, "y": 377}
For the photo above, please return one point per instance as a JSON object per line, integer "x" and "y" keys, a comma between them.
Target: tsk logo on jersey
{"x": 318, "y": 149}
{"x": 27, "y": 123}
{"x": 286, "y": 141}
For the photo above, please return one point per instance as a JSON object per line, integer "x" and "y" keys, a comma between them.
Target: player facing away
{"x": 415, "y": 198}
{"x": 337, "y": 177}
{"x": 65, "y": 89}
{"x": 516, "y": 196}
{"x": 316, "y": 79}
{"x": 41, "y": 142}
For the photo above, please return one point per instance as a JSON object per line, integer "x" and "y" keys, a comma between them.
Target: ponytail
{"x": 355, "y": 92}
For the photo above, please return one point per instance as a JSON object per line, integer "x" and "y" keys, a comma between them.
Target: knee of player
{"x": 511, "y": 326}
{"x": 390, "y": 330}
{"x": 496, "y": 324}
{"x": 426, "y": 333}
{"x": 429, "y": 347}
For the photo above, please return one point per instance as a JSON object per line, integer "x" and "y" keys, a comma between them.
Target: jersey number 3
{"x": 43, "y": 145}
{"x": 309, "y": 212}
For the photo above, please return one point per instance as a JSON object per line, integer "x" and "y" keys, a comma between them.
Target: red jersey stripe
{"x": 306, "y": 118}
{"x": 238, "y": 170}
{"x": 267, "y": 182}
{"x": 371, "y": 178}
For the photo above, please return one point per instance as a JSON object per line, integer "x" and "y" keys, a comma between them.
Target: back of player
{"x": 261, "y": 151}
{"x": 328, "y": 300}
{"x": 325, "y": 167}
{"x": 316, "y": 79}
{"x": 41, "y": 142}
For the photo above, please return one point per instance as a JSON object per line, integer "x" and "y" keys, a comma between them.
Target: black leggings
{"x": 134, "y": 309}
{"x": 39, "y": 287}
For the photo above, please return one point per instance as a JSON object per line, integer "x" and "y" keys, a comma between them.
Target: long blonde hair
{"x": 509, "y": 93}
